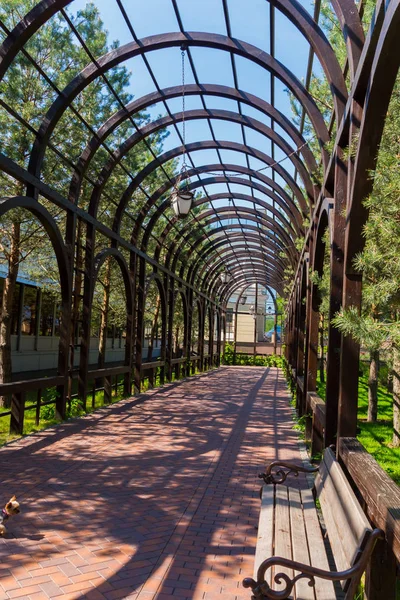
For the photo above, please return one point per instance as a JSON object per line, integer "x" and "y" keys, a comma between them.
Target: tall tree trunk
{"x": 154, "y": 329}
{"x": 76, "y": 300}
{"x": 104, "y": 314}
{"x": 6, "y": 311}
{"x": 396, "y": 397}
{"x": 373, "y": 387}
{"x": 78, "y": 278}
{"x": 177, "y": 341}
{"x": 322, "y": 356}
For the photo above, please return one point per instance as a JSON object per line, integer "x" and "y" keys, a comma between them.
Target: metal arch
{"x": 292, "y": 9}
{"x": 252, "y": 216}
{"x": 258, "y": 271}
{"x": 289, "y": 245}
{"x": 229, "y": 255}
{"x": 206, "y": 200}
{"x": 192, "y": 186}
{"x": 154, "y": 276}
{"x": 299, "y": 16}
{"x": 290, "y": 251}
{"x": 250, "y": 237}
{"x": 173, "y": 92}
{"x": 223, "y": 243}
{"x": 319, "y": 246}
{"x": 231, "y": 259}
{"x": 268, "y": 274}
{"x": 65, "y": 274}
{"x": 230, "y": 288}
{"x": 248, "y": 212}
{"x": 193, "y": 273}
{"x": 166, "y": 121}
{"x": 116, "y": 254}
{"x": 164, "y": 234}
{"x": 216, "y": 242}
{"x": 89, "y": 287}
{"x": 352, "y": 30}
{"x": 198, "y": 269}
{"x": 204, "y": 182}
{"x": 293, "y": 225}
{"x": 175, "y": 152}
{"x": 24, "y": 30}
{"x": 166, "y": 231}
{"x": 52, "y": 230}
{"x": 245, "y": 286}
{"x": 158, "y": 42}
{"x": 380, "y": 86}
{"x": 291, "y": 222}
{"x": 272, "y": 241}
{"x": 223, "y": 291}
{"x": 204, "y": 145}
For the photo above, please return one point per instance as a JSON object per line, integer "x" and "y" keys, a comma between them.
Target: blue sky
{"x": 249, "y": 22}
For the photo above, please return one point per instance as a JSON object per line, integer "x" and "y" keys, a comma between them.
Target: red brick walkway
{"x": 155, "y": 497}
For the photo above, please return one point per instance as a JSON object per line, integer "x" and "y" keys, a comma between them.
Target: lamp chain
{"x": 184, "y": 166}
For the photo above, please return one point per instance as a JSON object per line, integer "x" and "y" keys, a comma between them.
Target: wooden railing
{"x": 31, "y": 394}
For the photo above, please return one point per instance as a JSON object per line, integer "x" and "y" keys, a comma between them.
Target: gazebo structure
{"x": 250, "y": 233}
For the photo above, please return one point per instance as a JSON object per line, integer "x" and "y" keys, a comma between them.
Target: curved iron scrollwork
{"x": 282, "y": 470}
{"x": 263, "y": 590}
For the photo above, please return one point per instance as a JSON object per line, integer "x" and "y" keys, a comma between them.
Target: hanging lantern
{"x": 182, "y": 201}
{"x": 225, "y": 277}
{"x": 182, "y": 196}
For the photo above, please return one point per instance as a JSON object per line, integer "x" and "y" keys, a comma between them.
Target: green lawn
{"x": 47, "y": 417}
{"x": 375, "y": 437}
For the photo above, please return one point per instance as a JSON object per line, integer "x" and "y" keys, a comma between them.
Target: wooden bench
{"x": 292, "y": 560}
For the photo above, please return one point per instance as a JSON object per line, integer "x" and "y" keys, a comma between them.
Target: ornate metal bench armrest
{"x": 261, "y": 589}
{"x": 279, "y": 476}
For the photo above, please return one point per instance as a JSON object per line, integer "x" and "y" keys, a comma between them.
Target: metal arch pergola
{"x": 251, "y": 232}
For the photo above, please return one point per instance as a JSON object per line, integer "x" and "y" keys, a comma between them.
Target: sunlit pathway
{"x": 155, "y": 497}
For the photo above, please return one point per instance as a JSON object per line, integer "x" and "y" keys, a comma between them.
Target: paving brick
{"x": 149, "y": 499}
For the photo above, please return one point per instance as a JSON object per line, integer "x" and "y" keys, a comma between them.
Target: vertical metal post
{"x": 170, "y": 329}
{"x": 164, "y": 317}
{"x": 255, "y": 321}
{"x": 86, "y": 313}
{"x": 38, "y": 316}
{"x": 17, "y": 413}
{"x": 20, "y": 314}
{"x": 141, "y": 281}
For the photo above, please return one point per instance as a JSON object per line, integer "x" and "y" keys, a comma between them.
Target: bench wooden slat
{"x": 282, "y": 541}
{"x": 290, "y": 527}
{"x": 299, "y": 542}
{"x": 324, "y": 589}
{"x": 345, "y": 521}
{"x": 265, "y": 538}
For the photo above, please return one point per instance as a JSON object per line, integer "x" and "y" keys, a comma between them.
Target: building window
{"x": 29, "y": 311}
{"x": 47, "y": 316}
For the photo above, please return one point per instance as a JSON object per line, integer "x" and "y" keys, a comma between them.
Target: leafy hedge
{"x": 259, "y": 360}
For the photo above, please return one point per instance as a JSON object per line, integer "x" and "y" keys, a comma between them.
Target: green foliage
{"x": 259, "y": 360}
{"x": 375, "y": 437}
